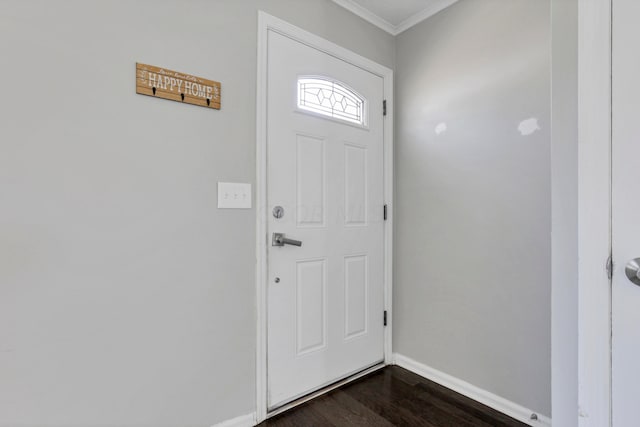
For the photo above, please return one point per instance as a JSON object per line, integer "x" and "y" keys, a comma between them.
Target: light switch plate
{"x": 234, "y": 195}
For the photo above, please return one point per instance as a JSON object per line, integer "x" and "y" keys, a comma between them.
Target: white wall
{"x": 473, "y": 207}
{"x": 564, "y": 172}
{"x": 126, "y": 297}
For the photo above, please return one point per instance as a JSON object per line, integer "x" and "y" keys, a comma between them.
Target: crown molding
{"x": 367, "y": 15}
{"x": 433, "y": 8}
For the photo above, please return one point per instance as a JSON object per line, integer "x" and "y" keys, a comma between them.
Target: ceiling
{"x": 395, "y": 16}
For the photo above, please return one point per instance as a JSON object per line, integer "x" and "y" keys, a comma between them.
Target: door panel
{"x": 356, "y": 289}
{"x": 626, "y": 212}
{"x": 325, "y": 298}
{"x": 311, "y": 316}
{"x": 355, "y": 184}
{"x": 310, "y": 181}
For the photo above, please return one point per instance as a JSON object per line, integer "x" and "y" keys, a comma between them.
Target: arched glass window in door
{"x": 331, "y": 99}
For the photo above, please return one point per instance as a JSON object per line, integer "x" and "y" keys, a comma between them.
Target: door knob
{"x": 279, "y": 240}
{"x": 633, "y": 271}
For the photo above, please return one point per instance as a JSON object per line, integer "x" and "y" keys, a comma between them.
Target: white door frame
{"x": 594, "y": 212}
{"x": 268, "y": 23}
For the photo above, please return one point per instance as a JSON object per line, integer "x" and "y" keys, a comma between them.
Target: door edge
{"x": 594, "y": 327}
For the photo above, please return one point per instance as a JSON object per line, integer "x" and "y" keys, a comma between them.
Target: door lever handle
{"x": 633, "y": 271}
{"x": 279, "y": 240}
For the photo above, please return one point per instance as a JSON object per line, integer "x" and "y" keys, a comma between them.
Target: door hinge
{"x": 384, "y": 107}
{"x": 385, "y": 318}
{"x": 610, "y": 267}
{"x": 385, "y": 212}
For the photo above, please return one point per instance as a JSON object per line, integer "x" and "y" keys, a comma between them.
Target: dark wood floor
{"x": 392, "y": 397}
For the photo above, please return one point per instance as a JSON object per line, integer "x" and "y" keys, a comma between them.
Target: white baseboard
{"x": 498, "y": 403}
{"x": 248, "y": 420}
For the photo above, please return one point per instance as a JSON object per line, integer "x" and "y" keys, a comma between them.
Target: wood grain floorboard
{"x": 432, "y": 409}
{"x": 477, "y": 409}
{"x": 381, "y": 398}
{"x": 343, "y": 410}
{"x": 392, "y": 397}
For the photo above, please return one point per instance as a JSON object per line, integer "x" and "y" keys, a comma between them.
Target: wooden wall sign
{"x": 180, "y": 87}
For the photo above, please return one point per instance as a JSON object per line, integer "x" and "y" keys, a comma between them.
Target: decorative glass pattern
{"x": 330, "y": 98}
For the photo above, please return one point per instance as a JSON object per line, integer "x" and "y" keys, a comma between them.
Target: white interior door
{"x": 626, "y": 212}
{"x": 325, "y": 171}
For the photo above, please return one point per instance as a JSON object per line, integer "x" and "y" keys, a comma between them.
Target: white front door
{"x": 626, "y": 212}
{"x": 324, "y": 189}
